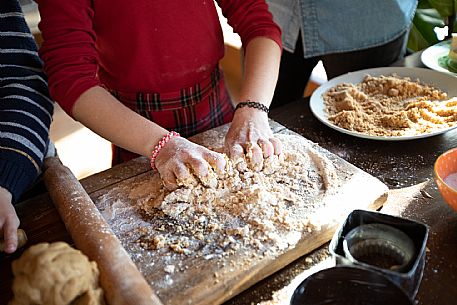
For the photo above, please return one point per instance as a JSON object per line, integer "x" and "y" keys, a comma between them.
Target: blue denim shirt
{"x": 335, "y": 26}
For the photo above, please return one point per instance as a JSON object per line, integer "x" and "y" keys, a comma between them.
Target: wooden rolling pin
{"x": 121, "y": 281}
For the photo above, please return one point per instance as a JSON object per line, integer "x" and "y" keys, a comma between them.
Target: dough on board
{"x": 245, "y": 207}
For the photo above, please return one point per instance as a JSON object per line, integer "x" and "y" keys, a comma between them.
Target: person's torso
{"x": 334, "y": 26}
{"x": 156, "y": 46}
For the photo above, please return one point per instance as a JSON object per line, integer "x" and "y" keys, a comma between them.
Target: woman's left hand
{"x": 250, "y": 135}
{"x": 9, "y": 222}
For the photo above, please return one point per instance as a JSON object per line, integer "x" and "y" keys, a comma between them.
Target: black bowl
{"x": 344, "y": 285}
{"x": 410, "y": 275}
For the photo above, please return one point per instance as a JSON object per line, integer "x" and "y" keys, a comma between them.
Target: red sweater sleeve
{"x": 68, "y": 50}
{"x": 250, "y": 19}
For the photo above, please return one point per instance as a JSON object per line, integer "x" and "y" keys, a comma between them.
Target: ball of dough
{"x": 55, "y": 274}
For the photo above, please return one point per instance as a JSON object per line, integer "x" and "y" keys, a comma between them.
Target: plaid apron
{"x": 188, "y": 111}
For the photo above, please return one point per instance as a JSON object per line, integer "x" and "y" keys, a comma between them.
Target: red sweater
{"x": 140, "y": 46}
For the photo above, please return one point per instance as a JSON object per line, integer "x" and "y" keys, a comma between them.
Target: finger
{"x": 199, "y": 166}
{"x": 183, "y": 176}
{"x": 255, "y": 155}
{"x": 236, "y": 152}
{"x": 216, "y": 160}
{"x": 10, "y": 235}
{"x": 169, "y": 180}
{"x": 277, "y": 145}
{"x": 267, "y": 147}
{"x": 204, "y": 172}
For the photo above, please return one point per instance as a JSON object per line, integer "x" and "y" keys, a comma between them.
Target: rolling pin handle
{"x": 21, "y": 240}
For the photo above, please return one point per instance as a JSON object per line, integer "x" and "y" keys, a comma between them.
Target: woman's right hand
{"x": 180, "y": 161}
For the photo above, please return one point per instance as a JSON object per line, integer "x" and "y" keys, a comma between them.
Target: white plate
{"x": 445, "y": 82}
{"x": 432, "y": 54}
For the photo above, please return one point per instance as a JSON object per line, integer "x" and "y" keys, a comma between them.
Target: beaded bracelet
{"x": 252, "y": 104}
{"x": 160, "y": 145}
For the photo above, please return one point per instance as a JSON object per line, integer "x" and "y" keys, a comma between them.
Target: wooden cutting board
{"x": 183, "y": 279}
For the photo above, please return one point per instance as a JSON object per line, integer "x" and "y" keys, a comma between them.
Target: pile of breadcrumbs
{"x": 390, "y": 106}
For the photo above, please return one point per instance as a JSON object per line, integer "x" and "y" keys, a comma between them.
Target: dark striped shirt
{"x": 25, "y": 106}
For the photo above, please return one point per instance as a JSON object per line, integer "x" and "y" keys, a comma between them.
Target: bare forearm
{"x": 250, "y": 129}
{"x": 98, "y": 110}
{"x": 261, "y": 66}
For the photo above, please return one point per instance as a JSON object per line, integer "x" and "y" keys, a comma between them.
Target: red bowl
{"x": 445, "y": 165}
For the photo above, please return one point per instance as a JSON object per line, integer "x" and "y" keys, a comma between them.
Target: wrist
{"x": 247, "y": 113}
{"x": 251, "y": 106}
{"x": 162, "y": 142}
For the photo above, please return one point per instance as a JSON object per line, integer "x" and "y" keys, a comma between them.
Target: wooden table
{"x": 397, "y": 164}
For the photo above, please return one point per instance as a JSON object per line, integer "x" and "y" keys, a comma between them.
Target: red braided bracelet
{"x": 160, "y": 145}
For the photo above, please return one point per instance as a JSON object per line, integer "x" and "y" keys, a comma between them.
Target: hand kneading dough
{"x": 55, "y": 274}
